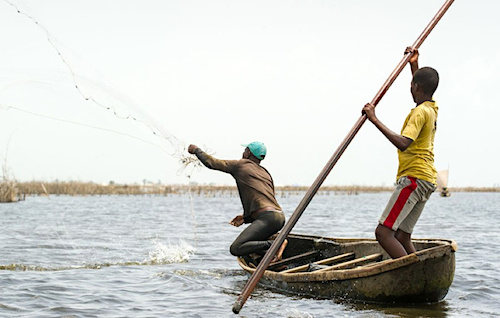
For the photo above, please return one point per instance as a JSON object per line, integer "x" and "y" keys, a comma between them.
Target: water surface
{"x": 156, "y": 256}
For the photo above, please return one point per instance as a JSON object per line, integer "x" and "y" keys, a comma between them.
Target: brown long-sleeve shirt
{"x": 254, "y": 182}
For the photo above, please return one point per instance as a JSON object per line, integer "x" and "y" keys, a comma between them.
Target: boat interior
{"x": 317, "y": 254}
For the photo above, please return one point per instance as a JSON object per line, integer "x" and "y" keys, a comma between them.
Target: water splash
{"x": 169, "y": 253}
{"x": 295, "y": 313}
{"x": 162, "y": 254}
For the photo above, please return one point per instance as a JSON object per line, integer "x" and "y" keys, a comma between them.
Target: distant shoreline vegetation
{"x": 74, "y": 188}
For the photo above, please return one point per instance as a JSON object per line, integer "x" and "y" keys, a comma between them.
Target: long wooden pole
{"x": 259, "y": 271}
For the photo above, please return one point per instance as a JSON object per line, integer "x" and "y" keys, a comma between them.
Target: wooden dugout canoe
{"x": 360, "y": 270}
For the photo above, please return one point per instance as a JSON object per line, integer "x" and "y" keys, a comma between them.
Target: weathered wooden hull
{"x": 421, "y": 277}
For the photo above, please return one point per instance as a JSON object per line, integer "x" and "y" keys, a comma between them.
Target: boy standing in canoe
{"x": 256, "y": 190}
{"x": 416, "y": 178}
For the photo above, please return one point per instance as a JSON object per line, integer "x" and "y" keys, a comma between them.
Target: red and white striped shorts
{"x": 406, "y": 204}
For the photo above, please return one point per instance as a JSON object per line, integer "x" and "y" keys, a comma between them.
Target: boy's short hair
{"x": 427, "y": 78}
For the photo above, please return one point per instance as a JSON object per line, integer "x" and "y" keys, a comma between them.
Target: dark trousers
{"x": 255, "y": 238}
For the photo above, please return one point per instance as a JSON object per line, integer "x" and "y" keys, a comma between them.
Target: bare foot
{"x": 279, "y": 253}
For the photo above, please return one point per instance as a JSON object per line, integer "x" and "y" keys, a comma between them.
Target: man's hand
{"x": 192, "y": 148}
{"x": 369, "y": 111}
{"x": 237, "y": 221}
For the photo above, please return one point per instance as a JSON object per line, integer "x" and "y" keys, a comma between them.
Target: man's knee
{"x": 234, "y": 249}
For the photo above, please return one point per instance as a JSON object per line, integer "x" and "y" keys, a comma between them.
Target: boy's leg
{"x": 387, "y": 239}
{"x": 401, "y": 214}
{"x": 403, "y": 234}
{"x": 405, "y": 240}
{"x": 397, "y": 209}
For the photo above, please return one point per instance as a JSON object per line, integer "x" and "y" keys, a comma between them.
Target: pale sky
{"x": 292, "y": 74}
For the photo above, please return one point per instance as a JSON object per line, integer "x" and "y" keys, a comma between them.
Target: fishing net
{"x": 85, "y": 93}
{"x": 69, "y": 89}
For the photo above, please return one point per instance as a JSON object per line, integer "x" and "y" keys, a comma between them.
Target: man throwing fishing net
{"x": 416, "y": 179}
{"x": 256, "y": 190}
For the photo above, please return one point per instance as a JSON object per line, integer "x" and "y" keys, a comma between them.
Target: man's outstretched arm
{"x": 211, "y": 162}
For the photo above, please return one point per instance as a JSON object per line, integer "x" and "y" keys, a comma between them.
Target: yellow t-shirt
{"x": 418, "y": 159}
